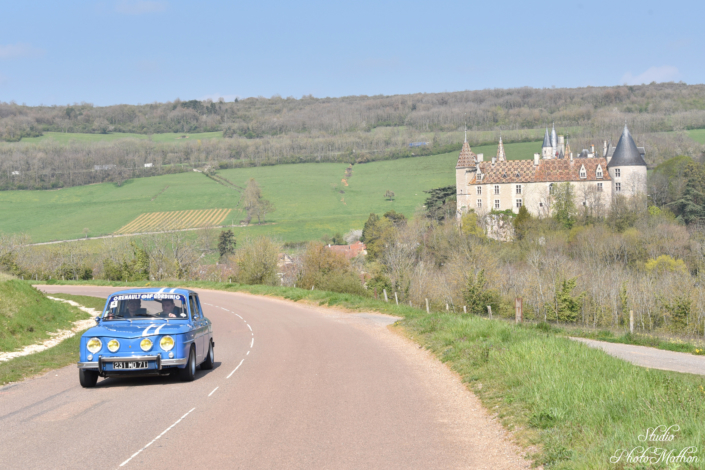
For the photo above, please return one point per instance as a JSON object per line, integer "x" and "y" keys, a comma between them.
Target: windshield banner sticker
{"x": 150, "y": 296}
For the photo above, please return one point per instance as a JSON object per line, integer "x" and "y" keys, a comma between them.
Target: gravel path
{"x": 651, "y": 357}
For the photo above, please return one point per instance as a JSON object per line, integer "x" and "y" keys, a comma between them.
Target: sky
{"x": 142, "y": 51}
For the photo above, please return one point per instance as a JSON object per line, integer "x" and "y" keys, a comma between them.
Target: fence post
{"x": 375, "y": 293}
{"x": 465, "y": 309}
{"x": 396, "y": 299}
{"x": 519, "y": 310}
{"x": 410, "y": 305}
{"x": 385, "y": 295}
{"x": 447, "y": 307}
{"x": 489, "y": 311}
{"x": 631, "y": 321}
{"x": 427, "y": 309}
{"x": 312, "y": 287}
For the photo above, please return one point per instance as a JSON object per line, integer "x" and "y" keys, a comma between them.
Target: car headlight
{"x": 113, "y": 345}
{"x": 167, "y": 343}
{"x": 94, "y": 345}
{"x": 146, "y": 344}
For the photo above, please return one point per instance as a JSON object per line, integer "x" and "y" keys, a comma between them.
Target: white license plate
{"x": 130, "y": 365}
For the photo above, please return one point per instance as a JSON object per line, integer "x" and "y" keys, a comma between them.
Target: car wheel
{"x": 210, "y": 358}
{"x": 88, "y": 378}
{"x": 188, "y": 373}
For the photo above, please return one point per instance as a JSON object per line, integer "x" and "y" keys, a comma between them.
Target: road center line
{"x": 216, "y": 388}
{"x": 248, "y": 325}
{"x": 155, "y": 439}
{"x": 240, "y": 317}
{"x": 238, "y": 366}
{"x": 253, "y": 342}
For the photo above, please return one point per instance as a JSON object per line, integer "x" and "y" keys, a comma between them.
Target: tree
{"x": 469, "y": 225}
{"x": 440, "y": 203}
{"x": 691, "y": 206}
{"x": 226, "y": 243}
{"x": 257, "y": 262}
{"x": 478, "y": 296}
{"x": 389, "y": 195}
{"x": 567, "y": 305}
{"x": 521, "y": 222}
{"x": 253, "y": 202}
{"x": 564, "y": 205}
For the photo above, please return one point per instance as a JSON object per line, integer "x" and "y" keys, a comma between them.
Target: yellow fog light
{"x": 113, "y": 345}
{"x": 146, "y": 344}
{"x": 167, "y": 343}
{"x": 94, "y": 345}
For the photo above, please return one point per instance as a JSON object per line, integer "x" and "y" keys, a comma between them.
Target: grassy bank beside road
{"x": 577, "y": 404}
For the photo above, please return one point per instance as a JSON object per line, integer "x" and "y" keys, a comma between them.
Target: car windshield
{"x": 147, "y": 305}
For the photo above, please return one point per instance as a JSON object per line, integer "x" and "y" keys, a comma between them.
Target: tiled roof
{"x": 553, "y": 170}
{"x": 466, "y": 158}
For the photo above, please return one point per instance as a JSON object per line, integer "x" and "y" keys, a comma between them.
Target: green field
{"x": 65, "y": 138}
{"x": 307, "y": 197}
{"x": 697, "y": 135}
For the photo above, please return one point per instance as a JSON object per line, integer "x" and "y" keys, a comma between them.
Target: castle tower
{"x": 465, "y": 171}
{"x": 627, "y": 167}
{"x": 546, "y": 148}
{"x": 554, "y": 139}
{"x": 501, "y": 156}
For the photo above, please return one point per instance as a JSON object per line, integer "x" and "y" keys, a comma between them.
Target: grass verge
{"x": 96, "y": 303}
{"x": 579, "y": 405}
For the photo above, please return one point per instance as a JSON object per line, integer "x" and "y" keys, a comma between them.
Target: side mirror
{"x": 97, "y": 320}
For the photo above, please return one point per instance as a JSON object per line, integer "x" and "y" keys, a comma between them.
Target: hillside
{"x": 307, "y": 197}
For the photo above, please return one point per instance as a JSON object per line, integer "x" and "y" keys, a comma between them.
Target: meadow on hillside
{"x": 63, "y": 137}
{"x": 311, "y": 199}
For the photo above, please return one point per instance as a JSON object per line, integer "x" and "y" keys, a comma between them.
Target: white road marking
{"x": 155, "y": 439}
{"x": 216, "y": 388}
{"x": 240, "y": 317}
{"x": 252, "y": 343}
{"x": 248, "y": 325}
{"x": 248, "y": 353}
{"x": 238, "y": 366}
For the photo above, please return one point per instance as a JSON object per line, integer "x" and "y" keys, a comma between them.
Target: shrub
{"x": 326, "y": 270}
{"x": 257, "y": 262}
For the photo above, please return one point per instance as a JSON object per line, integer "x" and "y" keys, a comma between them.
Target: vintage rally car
{"x": 147, "y": 332}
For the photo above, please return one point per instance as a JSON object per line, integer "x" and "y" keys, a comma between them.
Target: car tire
{"x": 210, "y": 358}
{"x": 88, "y": 378}
{"x": 188, "y": 373}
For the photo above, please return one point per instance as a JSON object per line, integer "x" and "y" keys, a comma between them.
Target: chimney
{"x": 536, "y": 159}
{"x": 480, "y": 157}
{"x": 604, "y": 149}
{"x": 592, "y": 149}
{"x": 494, "y": 159}
{"x": 561, "y": 144}
{"x": 571, "y": 157}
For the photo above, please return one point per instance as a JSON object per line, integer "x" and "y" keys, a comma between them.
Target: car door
{"x": 197, "y": 319}
{"x": 207, "y": 327}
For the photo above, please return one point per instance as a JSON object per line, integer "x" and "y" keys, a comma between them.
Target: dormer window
{"x": 583, "y": 172}
{"x": 598, "y": 172}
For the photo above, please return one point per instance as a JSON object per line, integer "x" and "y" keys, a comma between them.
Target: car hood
{"x": 138, "y": 328}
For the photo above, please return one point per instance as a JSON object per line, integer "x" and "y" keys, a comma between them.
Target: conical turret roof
{"x": 467, "y": 157}
{"x": 626, "y": 153}
{"x": 546, "y": 140}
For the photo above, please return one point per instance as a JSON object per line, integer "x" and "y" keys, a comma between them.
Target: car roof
{"x": 155, "y": 290}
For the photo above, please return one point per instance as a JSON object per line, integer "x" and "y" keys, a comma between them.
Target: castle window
{"x": 479, "y": 203}
{"x": 598, "y": 172}
{"x": 541, "y": 204}
{"x": 479, "y": 190}
{"x": 496, "y": 204}
{"x": 518, "y": 189}
{"x": 599, "y": 187}
{"x": 618, "y": 186}
{"x": 496, "y": 189}
{"x": 518, "y": 203}
{"x": 583, "y": 173}
{"x": 550, "y": 188}
{"x": 617, "y": 173}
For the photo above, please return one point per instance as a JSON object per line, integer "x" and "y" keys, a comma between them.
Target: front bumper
{"x": 161, "y": 363}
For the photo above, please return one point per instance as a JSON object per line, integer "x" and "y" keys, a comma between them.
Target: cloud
{"x": 139, "y": 7}
{"x": 217, "y": 96}
{"x": 666, "y": 73}
{"x": 14, "y": 51}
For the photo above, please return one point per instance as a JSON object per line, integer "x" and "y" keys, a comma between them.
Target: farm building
{"x": 502, "y": 184}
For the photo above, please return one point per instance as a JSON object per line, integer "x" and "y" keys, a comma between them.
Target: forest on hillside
{"x": 266, "y": 131}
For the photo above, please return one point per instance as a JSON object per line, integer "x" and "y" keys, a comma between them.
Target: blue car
{"x": 147, "y": 332}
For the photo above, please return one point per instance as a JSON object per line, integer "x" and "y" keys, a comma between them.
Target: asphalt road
{"x": 292, "y": 388}
{"x": 651, "y": 357}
